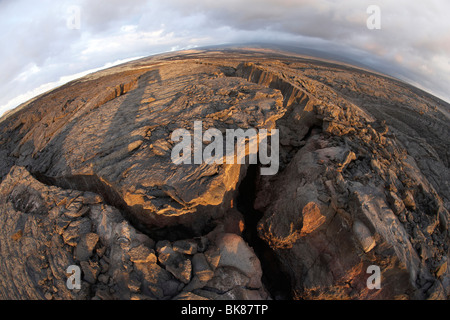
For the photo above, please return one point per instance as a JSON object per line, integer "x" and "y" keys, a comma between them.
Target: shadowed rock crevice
{"x": 275, "y": 280}
{"x": 95, "y": 184}
{"x": 255, "y": 74}
{"x": 299, "y": 120}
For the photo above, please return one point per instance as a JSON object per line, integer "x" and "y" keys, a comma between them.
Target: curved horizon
{"x": 286, "y": 48}
{"x": 50, "y": 44}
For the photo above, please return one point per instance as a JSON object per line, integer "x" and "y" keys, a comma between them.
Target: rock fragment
{"x": 85, "y": 248}
{"x": 201, "y": 267}
{"x": 364, "y": 236}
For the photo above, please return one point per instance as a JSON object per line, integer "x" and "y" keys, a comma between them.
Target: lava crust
{"x": 87, "y": 179}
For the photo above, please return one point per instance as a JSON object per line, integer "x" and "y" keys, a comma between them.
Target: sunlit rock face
{"x": 88, "y": 180}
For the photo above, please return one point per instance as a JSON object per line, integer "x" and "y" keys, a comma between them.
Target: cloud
{"x": 414, "y": 38}
{"x": 39, "y": 49}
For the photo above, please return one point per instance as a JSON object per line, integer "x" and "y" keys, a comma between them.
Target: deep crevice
{"x": 274, "y": 279}
{"x": 276, "y": 282}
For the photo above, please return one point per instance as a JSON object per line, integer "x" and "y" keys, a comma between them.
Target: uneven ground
{"x": 87, "y": 180}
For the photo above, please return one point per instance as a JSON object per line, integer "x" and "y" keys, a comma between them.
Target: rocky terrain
{"x": 87, "y": 180}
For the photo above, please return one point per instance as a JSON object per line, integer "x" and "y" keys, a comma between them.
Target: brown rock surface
{"x": 87, "y": 180}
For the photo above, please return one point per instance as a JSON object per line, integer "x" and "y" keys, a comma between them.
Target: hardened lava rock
{"x": 87, "y": 180}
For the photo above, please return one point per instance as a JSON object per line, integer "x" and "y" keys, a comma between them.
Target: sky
{"x": 46, "y": 43}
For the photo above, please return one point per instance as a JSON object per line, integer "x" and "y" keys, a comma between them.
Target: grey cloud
{"x": 412, "y": 43}
{"x": 106, "y": 15}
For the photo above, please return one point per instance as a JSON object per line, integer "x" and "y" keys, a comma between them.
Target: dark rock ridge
{"x": 87, "y": 180}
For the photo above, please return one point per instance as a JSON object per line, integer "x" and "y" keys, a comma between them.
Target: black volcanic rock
{"x": 87, "y": 179}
